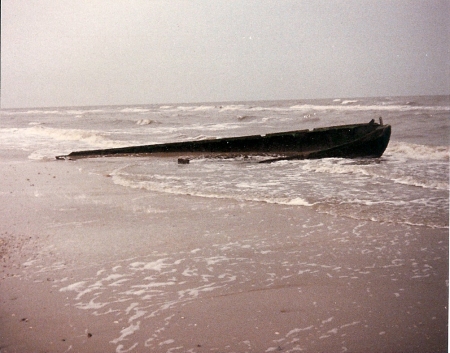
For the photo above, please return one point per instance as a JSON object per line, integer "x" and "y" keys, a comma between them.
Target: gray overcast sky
{"x": 97, "y": 52}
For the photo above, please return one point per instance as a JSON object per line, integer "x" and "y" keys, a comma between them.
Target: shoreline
{"x": 94, "y": 265}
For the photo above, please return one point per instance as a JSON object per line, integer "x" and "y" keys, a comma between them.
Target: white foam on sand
{"x": 157, "y": 289}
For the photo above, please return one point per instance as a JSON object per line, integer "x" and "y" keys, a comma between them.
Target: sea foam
{"x": 419, "y": 152}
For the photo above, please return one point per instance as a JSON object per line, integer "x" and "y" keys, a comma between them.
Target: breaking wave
{"x": 419, "y": 152}
{"x": 91, "y": 137}
{"x": 146, "y": 122}
{"x": 351, "y": 106}
{"x": 178, "y": 186}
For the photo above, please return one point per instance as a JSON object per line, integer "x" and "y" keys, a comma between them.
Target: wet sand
{"x": 89, "y": 266}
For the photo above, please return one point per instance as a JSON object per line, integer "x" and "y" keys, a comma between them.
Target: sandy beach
{"x": 88, "y": 266}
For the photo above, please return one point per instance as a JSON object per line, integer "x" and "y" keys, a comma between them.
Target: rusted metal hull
{"x": 345, "y": 141}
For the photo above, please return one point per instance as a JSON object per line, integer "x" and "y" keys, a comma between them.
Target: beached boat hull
{"x": 345, "y": 141}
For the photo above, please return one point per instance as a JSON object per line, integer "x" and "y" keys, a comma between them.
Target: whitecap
{"x": 134, "y": 110}
{"x": 145, "y": 122}
{"x": 419, "y": 152}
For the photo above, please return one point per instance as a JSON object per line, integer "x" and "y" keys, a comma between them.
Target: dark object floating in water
{"x": 345, "y": 141}
{"x": 183, "y": 160}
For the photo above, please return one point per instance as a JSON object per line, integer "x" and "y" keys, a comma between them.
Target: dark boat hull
{"x": 346, "y": 141}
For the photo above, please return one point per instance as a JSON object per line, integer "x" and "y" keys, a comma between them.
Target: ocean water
{"x": 253, "y": 262}
{"x": 409, "y": 184}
